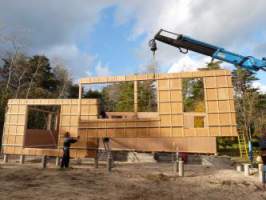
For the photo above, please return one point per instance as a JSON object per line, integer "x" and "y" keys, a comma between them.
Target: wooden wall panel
{"x": 16, "y": 122}
{"x": 170, "y": 121}
{"x": 183, "y": 144}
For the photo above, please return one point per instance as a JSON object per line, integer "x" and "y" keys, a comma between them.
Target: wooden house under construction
{"x": 168, "y": 128}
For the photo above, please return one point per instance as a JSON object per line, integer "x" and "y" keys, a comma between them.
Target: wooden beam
{"x": 41, "y": 110}
{"x": 135, "y": 96}
{"x": 79, "y": 101}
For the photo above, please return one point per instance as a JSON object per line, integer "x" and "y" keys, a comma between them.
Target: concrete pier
{"x": 5, "y": 158}
{"x": 57, "y": 161}
{"x": 181, "y": 168}
{"x": 239, "y": 168}
{"x": 21, "y": 159}
{"x": 246, "y": 169}
{"x": 261, "y": 173}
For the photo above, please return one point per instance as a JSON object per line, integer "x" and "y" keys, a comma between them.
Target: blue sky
{"x": 111, "y": 44}
{"x": 110, "y": 37}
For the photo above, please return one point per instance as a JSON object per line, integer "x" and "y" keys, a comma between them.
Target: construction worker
{"x": 66, "y": 150}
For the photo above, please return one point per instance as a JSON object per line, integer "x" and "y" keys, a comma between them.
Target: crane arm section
{"x": 185, "y": 43}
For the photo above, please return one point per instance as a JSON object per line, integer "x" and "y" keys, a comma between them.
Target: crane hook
{"x": 153, "y": 46}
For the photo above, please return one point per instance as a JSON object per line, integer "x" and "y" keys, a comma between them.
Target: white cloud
{"x": 102, "y": 70}
{"x": 55, "y": 26}
{"x": 233, "y": 25}
{"x": 77, "y": 61}
{"x": 186, "y": 63}
{"x": 261, "y": 87}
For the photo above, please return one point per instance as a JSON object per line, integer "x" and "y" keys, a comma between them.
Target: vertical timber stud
{"x": 44, "y": 162}
{"x": 49, "y": 121}
{"x": 135, "y": 96}
{"x": 79, "y": 101}
{"x": 21, "y": 159}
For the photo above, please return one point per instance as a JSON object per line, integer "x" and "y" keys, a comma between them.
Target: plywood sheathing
{"x": 219, "y": 116}
{"x": 16, "y": 126}
{"x": 80, "y": 117}
{"x": 182, "y": 144}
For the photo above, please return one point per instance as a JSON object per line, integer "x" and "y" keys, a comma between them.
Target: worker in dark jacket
{"x": 66, "y": 150}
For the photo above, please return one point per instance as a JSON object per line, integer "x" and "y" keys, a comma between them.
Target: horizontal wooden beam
{"x": 143, "y": 77}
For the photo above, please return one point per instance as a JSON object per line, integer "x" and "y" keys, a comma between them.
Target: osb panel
{"x": 176, "y": 95}
{"x": 164, "y": 96}
{"x": 15, "y": 123}
{"x": 211, "y": 94}
{"x": 169, "y": 119}
{"x": 189, "y": 144}
{"x": 218, "y": 95}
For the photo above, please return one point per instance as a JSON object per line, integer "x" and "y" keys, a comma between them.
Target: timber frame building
{"x": 169, "y": 129}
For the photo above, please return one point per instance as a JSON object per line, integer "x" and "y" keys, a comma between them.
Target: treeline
{"x": 119, "y": 97}
{"x": 35, "y": 77}
{"x": 32, "y": 77}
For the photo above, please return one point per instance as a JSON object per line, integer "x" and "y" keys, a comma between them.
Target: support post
{"x": 109, "y": 162}
{"x": 181, "y": 168}
{"x": 44, "y": 162}
{"x": 175, "y": 167}
{"x": 49, "y": 121}
{"x": 21, "y": 159}
{"x": 57, "y": 161}
{"x": 5, "y": 158}
{"x": 246, "y": 169}
{"x": 261, "y": 173}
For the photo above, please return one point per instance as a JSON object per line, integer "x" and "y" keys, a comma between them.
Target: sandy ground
{"x": 127, "y": 182}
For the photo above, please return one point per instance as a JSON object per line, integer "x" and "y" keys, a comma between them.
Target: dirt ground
{"x": 127, "y": 181}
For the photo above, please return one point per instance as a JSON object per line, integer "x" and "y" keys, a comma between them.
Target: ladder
{"x": 242, "y": 143}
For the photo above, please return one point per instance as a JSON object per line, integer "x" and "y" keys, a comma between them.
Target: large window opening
{"x": 193, "y": 103}
{"x": 42, "y": 127}
{"x": 117, "y": 100}
{"x": 193, "y": 95}
{"x": 147, "y": 96}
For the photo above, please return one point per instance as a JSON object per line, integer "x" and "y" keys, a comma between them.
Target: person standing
{"x": 66, "y": 149}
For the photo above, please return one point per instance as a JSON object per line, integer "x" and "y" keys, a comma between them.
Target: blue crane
{"x": 185, "y": 43}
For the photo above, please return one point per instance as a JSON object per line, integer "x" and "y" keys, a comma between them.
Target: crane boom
{"x": 185, "y": 43}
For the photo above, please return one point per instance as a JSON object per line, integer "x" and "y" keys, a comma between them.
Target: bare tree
{"x": 13, "y": 45}
{"x": 33, "y": 77}
{"x": 62, "y": 75}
